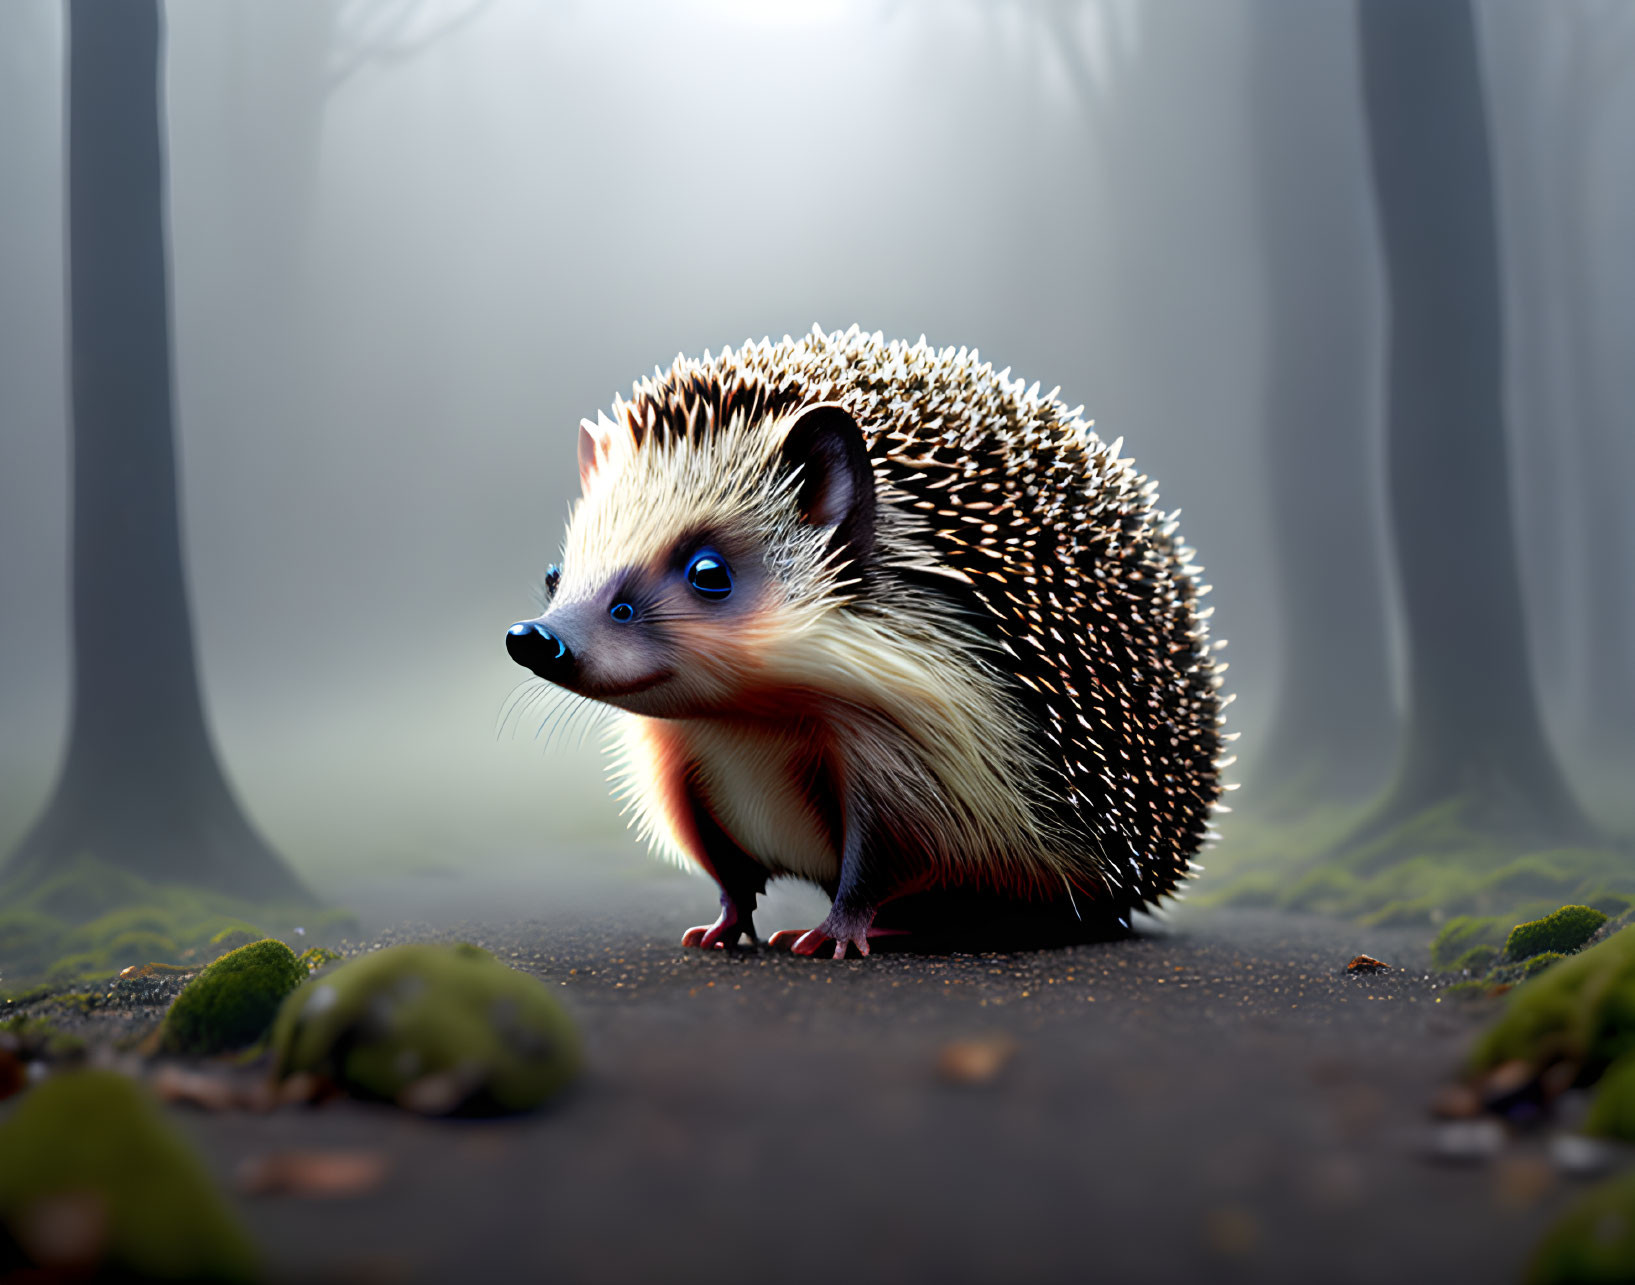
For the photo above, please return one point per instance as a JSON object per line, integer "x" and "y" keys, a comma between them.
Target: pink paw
{"x": 843, "y": 934}
{"x": 720, "y": 935}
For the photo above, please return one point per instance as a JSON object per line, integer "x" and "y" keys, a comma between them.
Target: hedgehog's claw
{"x": 725, "y": 932}
{"x": 851, "y": 932}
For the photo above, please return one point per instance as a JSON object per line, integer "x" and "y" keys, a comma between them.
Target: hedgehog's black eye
{"x": 710, "y": 576}
{"x": 553, "y": 577}
{"x": 622, "y": 612}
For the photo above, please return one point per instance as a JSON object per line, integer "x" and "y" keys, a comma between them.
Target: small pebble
{"x": 1579, "y": 1157}
{"x": 1466, "y": 1141}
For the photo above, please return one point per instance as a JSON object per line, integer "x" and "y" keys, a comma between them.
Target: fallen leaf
{"x": 196, "y": 1088}
{"x": 1233, "y": 1231}
{"x": 319, "y": 1174}
{"x": 64, "y": 1232}
{"x": 1522, "y": 1181}
{"x": 13, "y": 1075}
{"x": 975, "y": 1061}
{"x": 1456, "y": 1102}
{"x": 154, "y": 970}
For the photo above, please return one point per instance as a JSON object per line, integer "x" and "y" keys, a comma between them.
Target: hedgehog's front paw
{"x": 842, "y": 929}
{"x": 725, "y": 932}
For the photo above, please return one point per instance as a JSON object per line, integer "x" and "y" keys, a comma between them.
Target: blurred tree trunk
{"x": 1530, "y": 52}
{"x": 1473, "y": 735}
{"x": 1596, "y": 220}
{"x": 141, "y": 787}
{"x": 1334, "y": 723}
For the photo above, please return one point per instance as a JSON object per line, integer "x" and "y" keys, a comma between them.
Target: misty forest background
{"x": 1360, "y": 294}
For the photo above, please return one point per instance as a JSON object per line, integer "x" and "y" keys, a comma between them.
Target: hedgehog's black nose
{"x": 536, "y": 648}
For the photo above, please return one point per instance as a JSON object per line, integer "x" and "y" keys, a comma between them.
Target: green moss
{"x": 318, "y": 957}
{"x": 93, "y": 1142}
{"x": 1442, "y": 866}
{"x": 85, "y": 966}
{"x": 1460, "y": 935}
{"x": 91, "y": 918}
{"x": 28, "y": 934}
{"x": 1593, "y": 1242}
{"x": 437, "y": 1028}
{"x": 233, "y": 1001}
{"x": 81, "y": 1002}
{"x": 1580, "y": 1010}
{"x": 230, "y": 939}
{"x": 82, "y": 889}
{"x": 1473, "y": 988}
{"x": 1535, "y": 964}
{"x": 1560, "y": 931}
{"x": 1612, "y": 1112}
{"x": 29, "y": 1027}
{"x": 1611, "y": 904}
{"x": 1475, "y": 961}
{"x": 118, "y": 923}
{"x": 140, "y": 947}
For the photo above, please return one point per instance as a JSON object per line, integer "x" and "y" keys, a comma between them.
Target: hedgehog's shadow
{"x": 948, "y": 922}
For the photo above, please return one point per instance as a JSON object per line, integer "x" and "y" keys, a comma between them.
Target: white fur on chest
{"x": 751, "y": 779}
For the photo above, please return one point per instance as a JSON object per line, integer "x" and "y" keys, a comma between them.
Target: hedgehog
{"x": 878, "y": 617}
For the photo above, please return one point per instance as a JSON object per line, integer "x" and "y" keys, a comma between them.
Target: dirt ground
{"x": 1215, "y": 1099}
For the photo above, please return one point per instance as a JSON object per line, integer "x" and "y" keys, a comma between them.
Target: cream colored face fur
{"x": 917, "y": 719}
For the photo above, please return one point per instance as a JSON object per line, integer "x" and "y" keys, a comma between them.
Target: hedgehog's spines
{"x": 1091, "y": 598}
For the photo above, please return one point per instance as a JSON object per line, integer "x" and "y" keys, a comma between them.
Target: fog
{"x": 412, "y": 245}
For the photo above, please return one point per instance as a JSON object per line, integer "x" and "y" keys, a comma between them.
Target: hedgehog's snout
{"x": 540, "y": 651}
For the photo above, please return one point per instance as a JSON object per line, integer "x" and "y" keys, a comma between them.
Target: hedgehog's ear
{"x": 836, "y": 488}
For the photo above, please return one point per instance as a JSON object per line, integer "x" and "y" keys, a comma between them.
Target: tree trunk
{"x": 1473, "y": 734}
{"x": 1334, "y": 725}
{"x": 141, "y": 787}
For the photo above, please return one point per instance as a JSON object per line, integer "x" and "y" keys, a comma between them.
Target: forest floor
{"x": 1214, "y": 1099}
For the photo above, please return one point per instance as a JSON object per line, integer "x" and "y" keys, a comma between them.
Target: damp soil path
{"x": 1215, "y": 1099}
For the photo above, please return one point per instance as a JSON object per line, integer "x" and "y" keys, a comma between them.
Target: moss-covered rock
{"x": 435, "y": 1028}
{"x": 96, "y": 1183}
{"x": 1581, "y": 1010}
{"x": 233, "y": 1001}
{"x": 1594, "y": 1241}
{"x": 1560, "y": 931}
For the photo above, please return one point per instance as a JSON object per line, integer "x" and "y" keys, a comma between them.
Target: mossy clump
{"x": 96, "y": 1184}
{"x": 1581, "y": 1011}
{"x": 88, "y": 918}
{"x": 1560, "y": 931}
{"x": 1533, "y": 965}
{"x": 316, "y": 957}
{"x": 1593, "y": 1242}
{"x": 233, "y": 1001}
{"x": 1444, "y": 866}
{"x": 438, "y": 1029}
{"x": 1475, "y": 961}
{"x": 1462, "y": 934}
{"x": 85, "y": 966}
